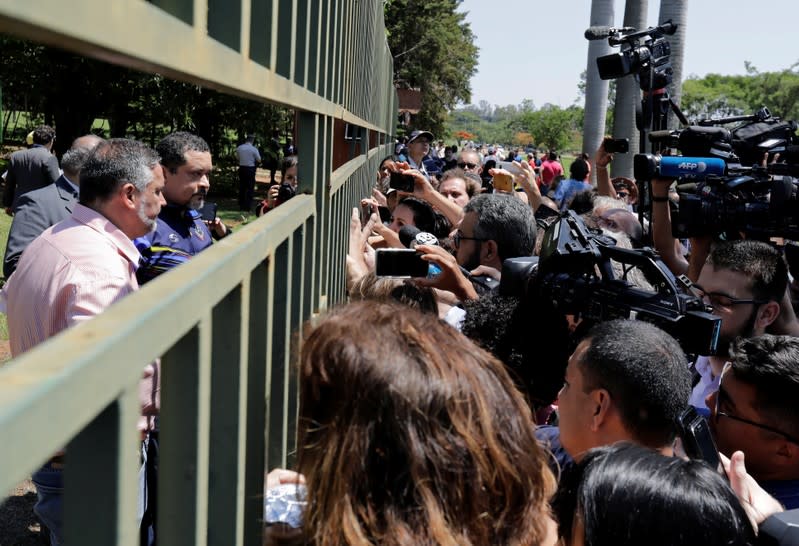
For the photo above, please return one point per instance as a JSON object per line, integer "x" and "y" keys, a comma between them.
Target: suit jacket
{"x": 37, "y": 210}
{"x": 27, "y": 170}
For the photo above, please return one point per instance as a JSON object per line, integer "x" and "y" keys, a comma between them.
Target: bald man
{"x": 39, "y": 209}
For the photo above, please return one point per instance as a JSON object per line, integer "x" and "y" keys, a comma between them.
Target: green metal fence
{"x": 227, "y": 323}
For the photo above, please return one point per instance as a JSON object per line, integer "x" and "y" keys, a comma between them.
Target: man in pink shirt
{"x": 550, "y": 168}
{"x": 80, "y": 266}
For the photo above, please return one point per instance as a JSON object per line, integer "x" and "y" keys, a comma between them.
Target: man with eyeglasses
{"x": 495, "y": 227}
{"x": 744, "y": 282}
{"x": 755, "y": 411}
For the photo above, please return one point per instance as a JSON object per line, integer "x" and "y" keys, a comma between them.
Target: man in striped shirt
{"x": 82, "y": 265}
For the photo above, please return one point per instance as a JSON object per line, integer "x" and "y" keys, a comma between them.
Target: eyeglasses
{"x": 458, "y": 237}
{"x": 464, "y": 165}
{"x": 718, "y": 413}
{"x": 717, "y": 299}
{"x": 622, "y": 194}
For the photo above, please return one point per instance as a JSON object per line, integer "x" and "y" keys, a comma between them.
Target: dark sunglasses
{"x": 464, "y": 165}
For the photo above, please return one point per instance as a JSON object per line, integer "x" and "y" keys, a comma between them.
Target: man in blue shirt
{"x": 567, "y": 189}
{"x": 754, "y": 410}
{"x": 180, "y": 232}
{"x": 249, "y": 159}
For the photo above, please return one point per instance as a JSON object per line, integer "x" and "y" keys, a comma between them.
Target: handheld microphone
{"x": 691, "y": 167}
{"x": 411, "y": 236}
{"x": 601, "y": 32}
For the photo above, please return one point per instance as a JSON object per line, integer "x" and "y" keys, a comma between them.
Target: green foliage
{"x": 434, "y": 51}
{"x": 70, "y": 92}
{"x": 548, "y": 127}
{"x": 719, "y": 96}
{"x": 552, "y": 126}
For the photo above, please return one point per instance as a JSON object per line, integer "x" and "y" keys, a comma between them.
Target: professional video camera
{"x": 743, "y": 145}
{"x": 721, "y": 185}
{"x": 576, "y": 273}
{"x": 644, "y": 53}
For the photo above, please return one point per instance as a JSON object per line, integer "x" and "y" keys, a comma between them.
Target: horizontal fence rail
{"x": 227, "y": 324}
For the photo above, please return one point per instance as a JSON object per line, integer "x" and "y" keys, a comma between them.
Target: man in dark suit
{"x": 41, "y": 208}
{"x": 32, "y": 168}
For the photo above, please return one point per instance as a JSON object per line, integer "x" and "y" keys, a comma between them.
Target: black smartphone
{"x": 399, "y": 262}
{"x": 697, "y": 440}
{"x": 617, "y": 145}
{"x": 401, "y": 182}
{"x": 208, "y": 212}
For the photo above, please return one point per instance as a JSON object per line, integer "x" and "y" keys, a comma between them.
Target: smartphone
{"x": 401, "y": 182}
{"x": 509, "y": 166}
{"x": 617, "y": 145}
{"x": 401, "y": 263}
{"x": 697, "y": 440}
{"x": 208, "y": 212}
{"x": 503, "y": 182}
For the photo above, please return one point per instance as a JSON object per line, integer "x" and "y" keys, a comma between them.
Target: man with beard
{"x": 78, "y": 268}
{"x": 181, "y": 232}
{"x": 744, "y": 282}
{"x": 494, "y": 227}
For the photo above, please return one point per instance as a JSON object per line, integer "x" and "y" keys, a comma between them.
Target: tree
{"x": 551, "y": 126}
{"x": 628, "y": 96}
{"x": 434, "y": 51}
{"x": 676, "y": 10}
{"x": 596, "y": 89}
{"x": 722, "y": 96}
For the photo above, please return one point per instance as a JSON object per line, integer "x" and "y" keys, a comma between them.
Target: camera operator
{"x": 755, "y": 411}
{"x": 669, "y": 248}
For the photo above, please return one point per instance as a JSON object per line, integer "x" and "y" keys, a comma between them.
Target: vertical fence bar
{"x": 228, "y": 399}
{"x": 100, "y": 495}
{"x": 278, "y": 356}
{"x": 183, "y": 468}
{"x": 255, "y": 461}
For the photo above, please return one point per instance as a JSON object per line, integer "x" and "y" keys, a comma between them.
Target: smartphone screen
{"x": 509, "y": 166}
{"x": 401, "y": 182}
{"x": 399, "y": 262}
{"x": 208, "y": 212}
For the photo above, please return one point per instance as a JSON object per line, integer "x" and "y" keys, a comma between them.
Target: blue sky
{"x": 536, "y": 50}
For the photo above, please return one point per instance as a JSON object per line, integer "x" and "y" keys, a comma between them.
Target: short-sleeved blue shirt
{"x": 179, "y": 235}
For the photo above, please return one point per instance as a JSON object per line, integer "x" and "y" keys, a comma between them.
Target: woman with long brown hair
{"x": 410, "y": 434}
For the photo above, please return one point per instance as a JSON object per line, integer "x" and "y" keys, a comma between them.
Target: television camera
{"x": 584, "y": 273}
